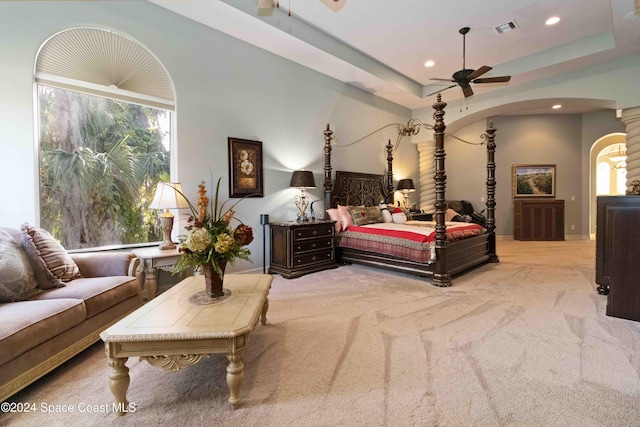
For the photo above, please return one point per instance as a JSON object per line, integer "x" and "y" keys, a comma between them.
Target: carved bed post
{"x": 440, "y": 275}
{"x": 327, "y": 169}
{"x": 491, "y": 192}
{"x": 389, "y": 148}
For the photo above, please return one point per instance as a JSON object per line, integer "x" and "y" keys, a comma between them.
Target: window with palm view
{"x": 100, "y": 160}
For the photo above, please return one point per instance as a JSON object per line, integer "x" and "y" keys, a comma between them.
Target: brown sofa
{"x": 41, "y": 333}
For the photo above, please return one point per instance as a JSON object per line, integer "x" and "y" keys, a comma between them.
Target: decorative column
{"x": 631, "y": 119}
{"x": 427, "y": 170}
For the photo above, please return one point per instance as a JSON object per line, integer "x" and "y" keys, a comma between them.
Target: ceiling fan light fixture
{"x": 429, "y": 63}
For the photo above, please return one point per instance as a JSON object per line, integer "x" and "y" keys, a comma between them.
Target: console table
{"x": 150, "y": 260}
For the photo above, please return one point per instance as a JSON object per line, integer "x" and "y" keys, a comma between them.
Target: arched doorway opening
{"x": 607, "y": 171}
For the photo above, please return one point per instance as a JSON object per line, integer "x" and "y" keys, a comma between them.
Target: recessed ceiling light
{"x": 555, "y": 107}
{"x": 553, "y": 20}
{"x": 429, "y": 63}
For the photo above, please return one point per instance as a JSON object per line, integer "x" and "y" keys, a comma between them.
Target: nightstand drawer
{"x": 313, "y": 257}
{"x": 313, "y": 231}
{"x": 312, "y": 245}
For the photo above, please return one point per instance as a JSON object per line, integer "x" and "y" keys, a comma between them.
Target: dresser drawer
{"x": 313, "y": 257}
{"x": 314, "y": 231}
{"x": 312, "y": 245}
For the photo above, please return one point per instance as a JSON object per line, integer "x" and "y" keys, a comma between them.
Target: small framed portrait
{"x": 534, "y": 181}
{"x": 245, "y": 168}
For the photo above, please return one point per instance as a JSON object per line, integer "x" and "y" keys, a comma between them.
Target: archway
{"x": 607, "y": 171}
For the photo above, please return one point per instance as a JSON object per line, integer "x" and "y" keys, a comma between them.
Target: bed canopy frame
{"x": 352, "y": 188}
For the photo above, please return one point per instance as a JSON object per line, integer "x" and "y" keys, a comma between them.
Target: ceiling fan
{"x": 465, "y": 77}
{"x": 265, "y": 7}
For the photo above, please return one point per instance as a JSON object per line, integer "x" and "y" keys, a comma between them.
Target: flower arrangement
{"x": 210, "y": 236}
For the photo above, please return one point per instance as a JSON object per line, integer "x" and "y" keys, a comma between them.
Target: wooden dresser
{"x": 617, "y": 251}
{"x": 538, "y": 219}
{"x": 301, "y": 248}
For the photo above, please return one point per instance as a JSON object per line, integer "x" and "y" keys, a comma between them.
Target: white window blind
{"x": 103, "y": 63}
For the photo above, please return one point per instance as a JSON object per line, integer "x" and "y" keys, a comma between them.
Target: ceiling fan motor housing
{"x": 461, "y": 77}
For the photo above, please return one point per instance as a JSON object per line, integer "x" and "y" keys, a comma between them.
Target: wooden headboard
{"x": 359, "y": 189}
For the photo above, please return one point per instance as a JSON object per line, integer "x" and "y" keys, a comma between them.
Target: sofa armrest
{"x": 101, "y": 264}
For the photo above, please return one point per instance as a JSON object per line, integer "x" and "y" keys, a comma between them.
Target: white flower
{"x": 198, "y": 240}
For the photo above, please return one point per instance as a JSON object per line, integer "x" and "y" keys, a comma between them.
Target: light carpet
{"x": 521, "y": 343}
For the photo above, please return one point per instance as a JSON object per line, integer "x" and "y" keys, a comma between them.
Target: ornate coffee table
{"x": 180, "y": 327}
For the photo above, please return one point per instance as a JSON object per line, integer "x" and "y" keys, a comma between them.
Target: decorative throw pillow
{"x": 398, "y": 216}
{"x": 386, "y": 215}
{"x": 17, "y": 282}
{"x": 51, "y": 263}
{"x": 362, "y": 215}
{"x": 451, "y": 215}
{"x": 335, "y": 216}
{"x": 345, "y": 217}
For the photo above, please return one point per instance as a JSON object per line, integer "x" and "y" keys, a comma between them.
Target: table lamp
{"x": 406, "y": 186}
{"x": 168, "y": 196}
{"x": 302, "y": 180}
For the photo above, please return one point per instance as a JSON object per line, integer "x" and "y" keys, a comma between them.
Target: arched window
{"x": 104, "y": 111}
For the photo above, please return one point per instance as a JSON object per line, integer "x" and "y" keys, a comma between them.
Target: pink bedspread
{"x": 412, "y": 240}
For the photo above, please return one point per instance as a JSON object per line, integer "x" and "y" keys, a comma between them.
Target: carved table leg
{"x": 265, "y": 307}
{"x": 119, "y": 382}
{"x": 151, "y": 281}
{"x": 140, "y": 275}
{"x": 235, "y": 377}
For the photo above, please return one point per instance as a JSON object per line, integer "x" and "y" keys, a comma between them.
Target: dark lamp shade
{"x": 302, "y": 179}
{"x": 405, "y": 185}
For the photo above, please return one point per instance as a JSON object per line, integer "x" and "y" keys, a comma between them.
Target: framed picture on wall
{"x": 534, "y": 181}
{"x": 245, "y": 168}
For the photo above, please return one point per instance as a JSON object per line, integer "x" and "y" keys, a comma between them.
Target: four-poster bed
{"x": 448, "y": 256}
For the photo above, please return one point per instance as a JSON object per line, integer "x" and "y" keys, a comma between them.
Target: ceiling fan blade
{"x": 443, "y": 89}
{"x": 467, "y": 91}
{"x": 480, "y": 71}
{"x": 500, "y": 79}
{"x": 443, "y": 80}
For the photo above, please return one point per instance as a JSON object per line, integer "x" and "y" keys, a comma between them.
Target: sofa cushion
{"x": 98, "y": 293}
{"x": 26, "y": 324}
{"x": 17, "y": 281}
{"x": 51, "y": 263}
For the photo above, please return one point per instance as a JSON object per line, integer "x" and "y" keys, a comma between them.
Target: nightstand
{"x": 298, "y": 248}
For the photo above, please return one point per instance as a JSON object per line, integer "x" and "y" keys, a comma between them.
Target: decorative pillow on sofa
{"x": 17, "y": 282}
{"x": 335, "y": 216}
{"x": 362, "y": 215}
{"x": 51, "y": 263}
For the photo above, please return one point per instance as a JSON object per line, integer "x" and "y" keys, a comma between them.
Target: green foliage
{"x": 100, "y": 160}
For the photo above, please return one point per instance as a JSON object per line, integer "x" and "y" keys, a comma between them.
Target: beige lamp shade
{"x": 168, "y": 196}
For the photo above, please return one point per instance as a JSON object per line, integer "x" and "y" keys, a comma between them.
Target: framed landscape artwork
{"x": 245, "y": 168}
{"x": 534, "y": 181}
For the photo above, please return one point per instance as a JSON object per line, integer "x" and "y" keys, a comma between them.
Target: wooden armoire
{"x": 618, "y": 254}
